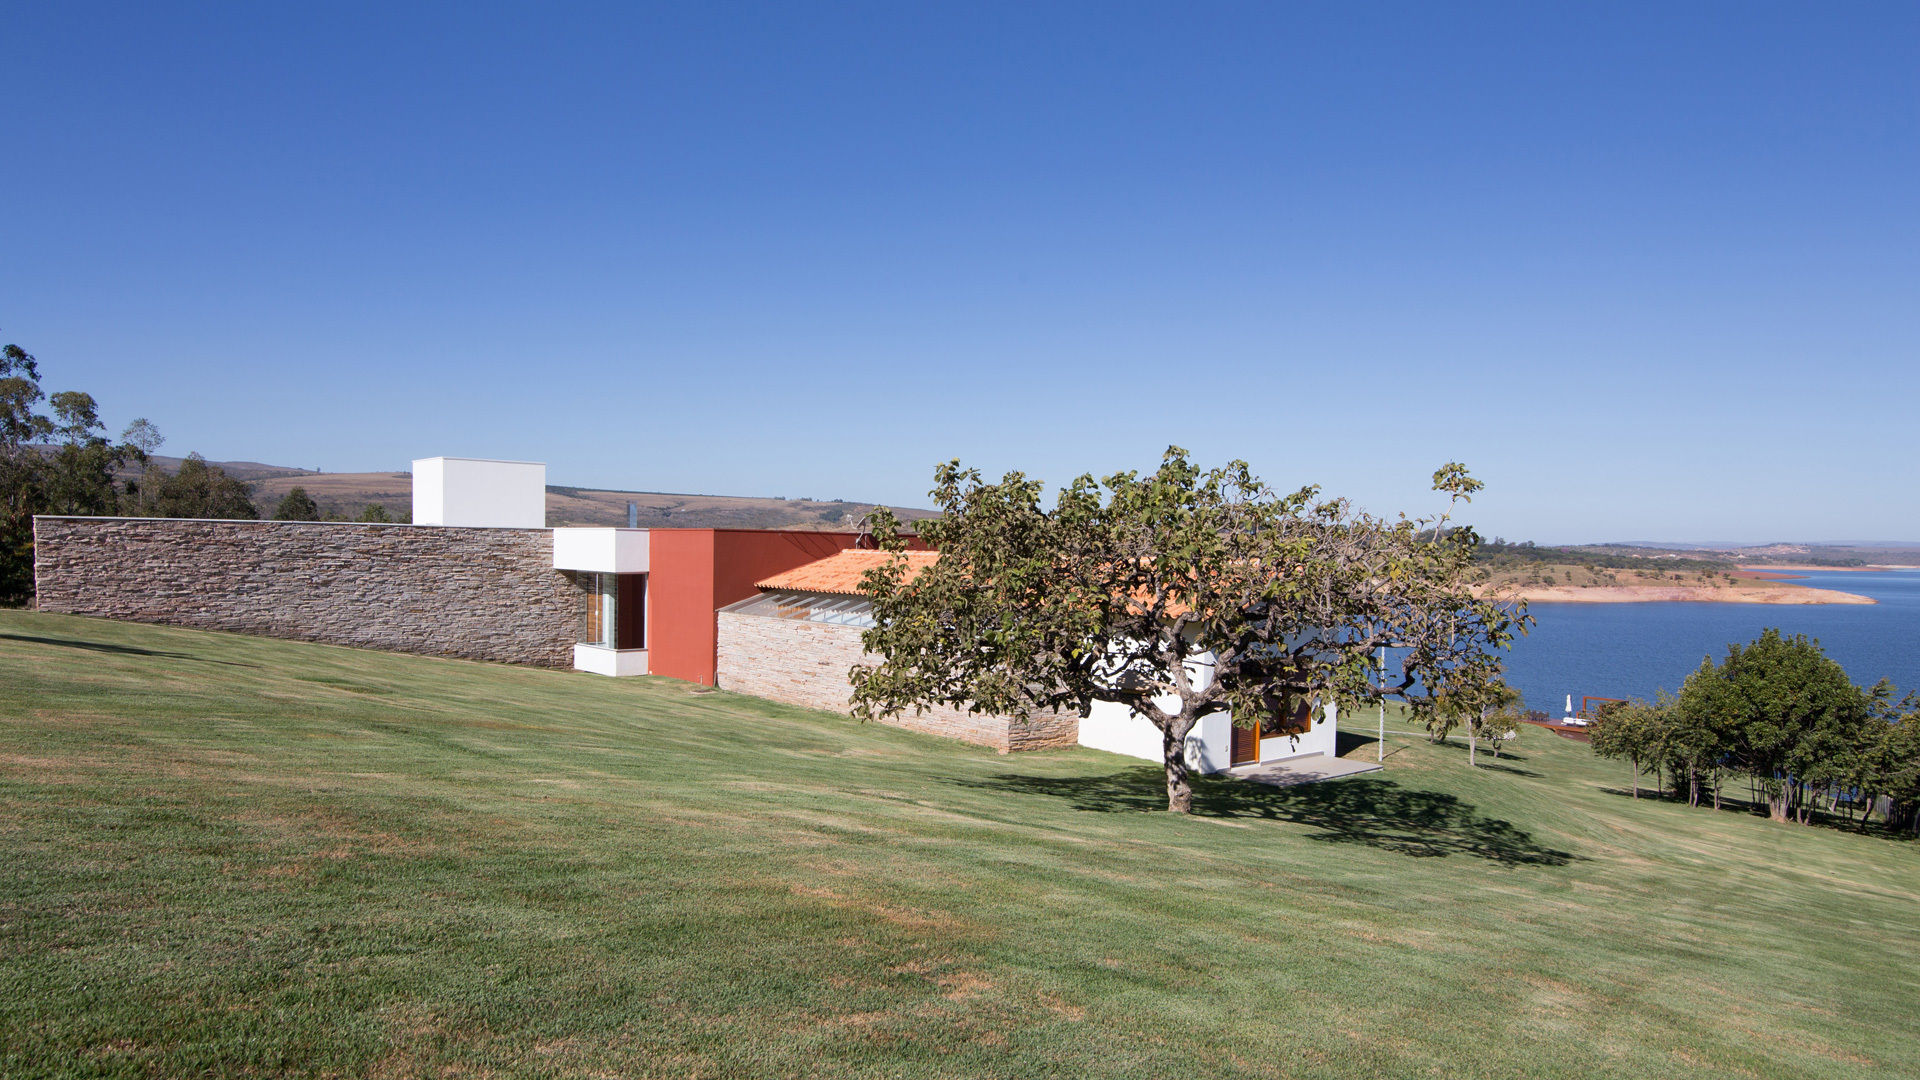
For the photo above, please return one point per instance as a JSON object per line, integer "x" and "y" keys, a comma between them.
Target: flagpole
{"x": 1380, "y": 744}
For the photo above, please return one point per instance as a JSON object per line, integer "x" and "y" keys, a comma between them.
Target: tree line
{"x": 1501, "y": 554}
{"x": 1782, "y": 716}
{"x": 56, "y": 458}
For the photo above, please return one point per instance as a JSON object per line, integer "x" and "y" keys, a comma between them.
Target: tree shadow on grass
{"x": 121, "y": 650}
{"x": 1370, "y": 810}
{"x": 1486, "y": 760}
{"x": 1744, "y": 807}
{"x": 1346, "y": 742}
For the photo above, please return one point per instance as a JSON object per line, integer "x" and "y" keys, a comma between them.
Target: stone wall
{"x": 806, "y": 663}
{"x": 481, "y": 594}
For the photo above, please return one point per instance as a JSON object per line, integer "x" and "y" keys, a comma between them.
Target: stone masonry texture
{"x": 479, "y": 594}
{"x": 806, "y": 663}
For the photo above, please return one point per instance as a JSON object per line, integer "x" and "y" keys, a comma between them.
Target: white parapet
{"x": 601, "y": 551}
{"x": 601, "y": 660}
{"x": 479, "y": 492}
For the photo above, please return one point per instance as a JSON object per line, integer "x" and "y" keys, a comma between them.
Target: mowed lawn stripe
{"x": 222, "y": 854}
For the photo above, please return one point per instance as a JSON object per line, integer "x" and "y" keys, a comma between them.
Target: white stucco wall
{"x": 605, "y": 551}
{"x": 480, "y": 493}
{"x": 1118, "y": 729}
{"x": 601, "y": 660}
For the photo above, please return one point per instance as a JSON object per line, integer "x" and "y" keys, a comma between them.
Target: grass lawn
{"x": 224, "y": 855}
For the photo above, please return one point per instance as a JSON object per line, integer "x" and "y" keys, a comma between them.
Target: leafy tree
{"x": 1635, "y": 731}
{"x": 79, "y": 472}
{"x": 1498, "y": 720}
{"x": 74, "y": 475}
{"x": 143, "y": 436}
{"x": 297, "y": 505}
{"x": 1780, "y": 709}
{"x": 198, "y": 490}
{"x": 376, "y": 513}
{"x": 1890, "y": 764}
{"x": 1473, "y": 707}
{"x": 1696, "y": 744}
{"x": 1179, "y": 594}
{"x": 21, "y": 480}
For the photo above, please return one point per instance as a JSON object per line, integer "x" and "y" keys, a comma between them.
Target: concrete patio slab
{"x": 1301, "y": 770}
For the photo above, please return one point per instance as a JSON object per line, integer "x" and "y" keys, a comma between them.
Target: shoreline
{"x": 1774, "y": 567}
{"x": 1698, "y": 594}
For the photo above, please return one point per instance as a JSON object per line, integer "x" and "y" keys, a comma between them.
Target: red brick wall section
{"x": 806, "y": 663}
{"x": 481, "y": 594}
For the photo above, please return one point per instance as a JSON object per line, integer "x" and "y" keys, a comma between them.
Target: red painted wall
{"x": 693, "y": 573}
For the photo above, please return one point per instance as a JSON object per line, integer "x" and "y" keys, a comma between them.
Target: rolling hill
{"x": 347, "y": 493}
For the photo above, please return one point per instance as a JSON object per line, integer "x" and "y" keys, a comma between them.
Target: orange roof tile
{"x": 839, "y": 574}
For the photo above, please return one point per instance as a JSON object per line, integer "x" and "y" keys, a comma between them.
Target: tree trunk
{"x": 1636, "y": 776}
{"x": 1173, "y": 746}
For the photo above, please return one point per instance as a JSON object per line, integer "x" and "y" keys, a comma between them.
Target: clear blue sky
{"x": 1652, "y": 273}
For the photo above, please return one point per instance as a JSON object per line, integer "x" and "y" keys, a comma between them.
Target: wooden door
{"x": 1246, "y": 745}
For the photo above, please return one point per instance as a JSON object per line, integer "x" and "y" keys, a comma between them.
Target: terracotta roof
{"x": 839, "y": 574}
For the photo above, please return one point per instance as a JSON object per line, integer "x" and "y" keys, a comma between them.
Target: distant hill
{"x": 1836, "y": 555}
{"x": 348, "y": 492}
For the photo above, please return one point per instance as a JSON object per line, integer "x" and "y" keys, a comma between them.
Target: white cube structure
{"x": 480, "y": 493}
{"x": 601, "y": 551}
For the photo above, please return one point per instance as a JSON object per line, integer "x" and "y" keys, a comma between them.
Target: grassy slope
{"x": 222, "y": 854}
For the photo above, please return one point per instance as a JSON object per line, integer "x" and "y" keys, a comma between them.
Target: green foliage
{"x": 1635, "y": 731}
{"x": 74, "y": 475}
{"x": 1128, "y": 588}
{"x": 374, "y": 512}
{"x": 1782, "y": 713}
{"x": 80, "y": 470}
{"x": 1779, "y": 708}
{"x": 1498, "y": 554}
{"x": 297, "y": 505}
{"x": 197, "y": 490}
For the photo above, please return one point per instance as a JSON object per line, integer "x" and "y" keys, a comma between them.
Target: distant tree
{"x": 1498, "y": 720}
{"x": 1635, "y": 731}
{"x": 22, "y": 486}
{"x": 143, "y": 436}
{"x": 58, "y": 464}
{"x": 1889, "y": 764}
{"x": 297, "y": 505}
{"x": 80, "y": 470}
{"x": 197, "y": 490}
{"x": 374, "y": 512}
{"x": 1780, "y": 709}
{"x": 1179, "y": 594}
{"x": 1697, "y": 746}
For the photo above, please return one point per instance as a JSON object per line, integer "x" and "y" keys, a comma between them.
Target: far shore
{"x": 1768, "y": 567}
{"x": 1706, "y": 594}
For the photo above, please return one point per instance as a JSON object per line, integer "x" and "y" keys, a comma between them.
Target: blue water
{"x": 1632, "y": 650}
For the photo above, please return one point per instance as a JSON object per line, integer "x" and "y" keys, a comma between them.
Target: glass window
{"x": 613, "y": 610}
{"x": 1294, "y": 716}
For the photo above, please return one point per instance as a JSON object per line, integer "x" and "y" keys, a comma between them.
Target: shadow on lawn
{"x": 1746, "y": 807}
{"x": 1370, "y": 810}
{"x": 1503, "y": 763}
{"x": 123, "y": 650}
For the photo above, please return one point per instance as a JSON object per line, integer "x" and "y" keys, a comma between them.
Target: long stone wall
{"x": 806, "y": 663}
{"x": 481, "y": 594}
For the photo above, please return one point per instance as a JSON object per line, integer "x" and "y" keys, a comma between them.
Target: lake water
{"x": 1632, "y": 650}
